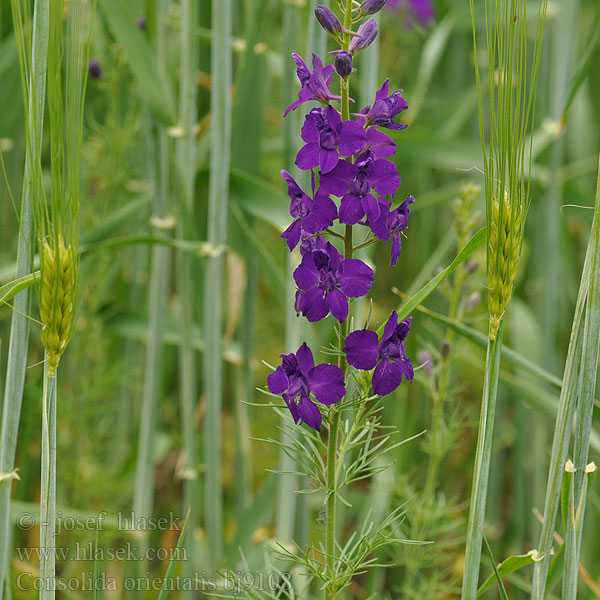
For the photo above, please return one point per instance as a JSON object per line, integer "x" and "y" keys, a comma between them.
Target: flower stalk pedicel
{"x": 347, "y": 159}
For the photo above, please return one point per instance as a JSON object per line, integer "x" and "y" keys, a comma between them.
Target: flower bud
{"x": 343, "y": 64}
{"x": 141, "y": 23}
{"x": 95, "y": 71}
{"x": 367, "y": 33}
{"x": 370, "y": 7}
{"x": 472, "y": 301}
{"x": 329, "y": 22}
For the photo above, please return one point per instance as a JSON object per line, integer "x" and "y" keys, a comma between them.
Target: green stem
{"x": 48, "y": 490}
{"x": 482, "y": 468}
{"x": 332, "y": 454}
{"x": 334, "y": 415}
{"x": 585, "y": 410}
{"x": 566, "y": 410}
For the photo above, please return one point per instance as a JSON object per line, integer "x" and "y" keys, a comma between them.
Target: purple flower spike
{"x": 370, "y": 7}
{"x": 385, "y": 108}
{"x": 367, "y": 33}
{"x": 390, "y": 224}
{"x": 325, "y": 282}
{"x": 315, "y": 84}
{"x": 297, "y": 377}
{"x": 364, "y": 351}
{"x": 310, "y": 216}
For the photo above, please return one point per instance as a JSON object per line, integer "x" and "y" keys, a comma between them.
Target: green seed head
{"x": 504, "y": 252}
{"x": 57, "y": 299}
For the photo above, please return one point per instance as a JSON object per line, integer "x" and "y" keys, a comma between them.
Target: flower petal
{"x": 309, "y": 412}
{"x": 370, "y": 206}
{"x": 362, "y": 349}
{"x": 355, "y": 278}
{"x": 291, "y": 404}
{"x": 306, "y": 275}
{"x": 390, "y": 327}
{"x": 326, "y": 382}
{"x": 381, "y": 145}
{"x": 352, "y": 138}
{"x": 292, "y": 234}
{"x": 338, "y": 180}
{"x": 337, "y": 304}
{"x": 305, "y": 359}
{"x": 277, "y": 381}
{"x": 313, "y": 305}
{"x": 351, "y": 210}
{"x": 384, "y": 178}
{"x": 308, "y": 156}
{"x": 387, "y": 377}
{"x": 322, "y": 215}
{"x": 328, "y": 159}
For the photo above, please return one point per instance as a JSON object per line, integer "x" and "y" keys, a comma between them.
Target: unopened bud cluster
{"x": 57, "y": 299}
{"x": 504, "y": 251}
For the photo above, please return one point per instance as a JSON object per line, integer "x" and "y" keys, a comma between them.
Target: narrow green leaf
{"x": 410, "y": 305}
{"x": 10, "y": 290}
{"x": 496, "y": 575}
{"x": 511, "y": 565}
{"x": 165, "y": 592}
{"x": 122, "y": 20}
{"x": 565, "y": 497}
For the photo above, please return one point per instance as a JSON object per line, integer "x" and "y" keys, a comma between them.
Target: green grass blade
{"x": 511, "y": 565}
{"x": 155, "y": 90}
{"x": 186, "y": 163}
{"x": 585, "y": 411}
{"x": 496, "y": 575}
{"x": 562, "y": 430}
{"x": 410, "y": 305}
{"x": 165, "y": 592}
{"x": 218, "y": 208}
{"x": 482, "y": 468}
{"x": 19, "y": 331}
{"x": 10, "y": 290}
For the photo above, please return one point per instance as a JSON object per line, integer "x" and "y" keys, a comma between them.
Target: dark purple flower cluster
{"x": 348, "y": 160}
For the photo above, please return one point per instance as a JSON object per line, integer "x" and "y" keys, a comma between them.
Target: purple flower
{"x": 315, "y": 85}
{"x": 385, "y": 108}
{"x": 325, "y": 282}
{"x": 142, "y": 23}
{"x": 310, "y": 216}
{"x": 324, "y": 133}
{"x": 422, "y": 11}
{"x": 364, "y": 351}
{"x": 367, "y": 33}
{"x": 297, "y": 377}
{"x": 312, "y": 243}
{"x": 354, "y": 183}
{"x": 390, "y": 224}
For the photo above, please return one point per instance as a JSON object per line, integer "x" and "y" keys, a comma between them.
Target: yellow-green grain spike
{"x": 57, "y": 299}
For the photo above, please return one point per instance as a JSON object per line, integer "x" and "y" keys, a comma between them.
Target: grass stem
{"x": 482, "y": 468}
{"x": 19, "y": 329}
